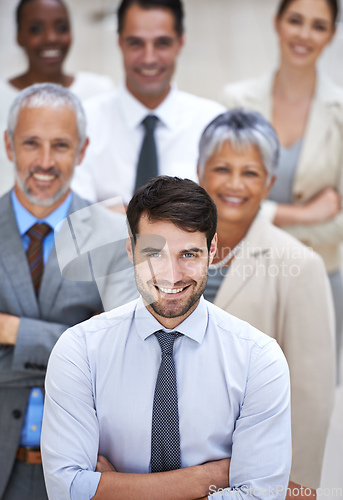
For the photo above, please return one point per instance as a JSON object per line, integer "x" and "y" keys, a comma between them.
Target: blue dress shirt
{"x": 233, "y": 393}
{"x": 31, "y": 431}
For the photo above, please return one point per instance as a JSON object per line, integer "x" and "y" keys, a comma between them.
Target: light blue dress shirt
{"x": 233, "y": 392}
{"x": 30, "y": 435}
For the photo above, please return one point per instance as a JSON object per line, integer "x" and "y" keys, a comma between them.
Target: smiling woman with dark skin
{"x": 44, "y": 34}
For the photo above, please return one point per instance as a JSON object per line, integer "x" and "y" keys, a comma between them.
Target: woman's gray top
{"x": 214, "y": 280}
{"x": 281, "y": 192}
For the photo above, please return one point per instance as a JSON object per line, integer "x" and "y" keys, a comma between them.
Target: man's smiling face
{"x": 171, "y": 268}
{"x": 45, "y": 150}
{"x": 150, "y": 46}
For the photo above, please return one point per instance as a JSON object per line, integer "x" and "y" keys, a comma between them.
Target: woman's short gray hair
{"x": 48, "y": 95}
{"x": 242, "y": 129}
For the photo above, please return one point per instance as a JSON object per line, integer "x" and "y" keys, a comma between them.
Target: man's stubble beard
{"x": 34, "y": 199}
{"x": 158, "y": 308}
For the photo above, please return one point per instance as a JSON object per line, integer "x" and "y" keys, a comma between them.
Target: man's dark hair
{"x": 171, "y": 199}
{"x": 175, "y": 6}
{"x": 21, "y": 5}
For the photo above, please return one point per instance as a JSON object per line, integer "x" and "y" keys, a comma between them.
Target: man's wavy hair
{"x": 171, "y": 199}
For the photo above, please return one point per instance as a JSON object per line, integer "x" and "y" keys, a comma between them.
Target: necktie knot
{"x": 39, "y": 231}
{"x": 149, "y": 123}
{"x": 166, "y": 341}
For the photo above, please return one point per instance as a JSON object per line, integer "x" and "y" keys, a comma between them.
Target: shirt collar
{"x": 193, "y": 327}
{"x": 25, "y": 219}
{"x": 134, "y": 111}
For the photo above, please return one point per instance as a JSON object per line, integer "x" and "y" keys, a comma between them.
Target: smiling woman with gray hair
{"x": 241, "y": 130}
{"x": 265, "y": 276}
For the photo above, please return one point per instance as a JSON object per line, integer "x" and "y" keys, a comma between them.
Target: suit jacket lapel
{"x": 259, "y": 96}
{"x": 243, "y": 266}
{"x": 80, "y": 222}
{"x": 318, "y": 126}
{"x": 234, "y": 283}
{"x": 14, "y": 260}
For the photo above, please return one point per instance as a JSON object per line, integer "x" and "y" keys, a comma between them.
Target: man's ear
{"x": 82, "y": 151}
{"x": 129, "y": 249}
{"x": 213, "y": 248}
{"x": 181, "y": 42}
{"x": 120, "y": 42}
{"x": 8, "y": 146}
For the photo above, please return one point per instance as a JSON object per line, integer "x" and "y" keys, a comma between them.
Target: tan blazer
{"x": 321, "y": 160}
{"x": 280, "y": 286}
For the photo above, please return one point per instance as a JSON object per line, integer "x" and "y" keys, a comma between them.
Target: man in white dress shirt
{"x": 150, "y": 38}
{"x": 127, "y": 418}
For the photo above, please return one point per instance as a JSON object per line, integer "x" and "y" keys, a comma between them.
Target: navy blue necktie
{"x": 147, "y": 167}
{"x": 165, "y": 432}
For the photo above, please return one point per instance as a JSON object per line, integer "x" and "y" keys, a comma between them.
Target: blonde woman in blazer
{"x": 305, "y": 105}
{"x": 265, "y": 276}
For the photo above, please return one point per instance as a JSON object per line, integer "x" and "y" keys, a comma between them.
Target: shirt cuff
{"x": 84, "y": 485}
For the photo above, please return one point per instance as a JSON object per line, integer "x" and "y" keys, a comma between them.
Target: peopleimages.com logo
{"x": 279, "y": 491}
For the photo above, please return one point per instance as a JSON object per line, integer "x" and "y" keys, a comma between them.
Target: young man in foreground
{"x": 168, "y": 396}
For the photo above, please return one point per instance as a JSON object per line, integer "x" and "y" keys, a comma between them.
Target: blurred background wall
{"x": 226, "y": 40}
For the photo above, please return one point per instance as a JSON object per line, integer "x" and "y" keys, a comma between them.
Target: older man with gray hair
{"x": 46, "y": 138}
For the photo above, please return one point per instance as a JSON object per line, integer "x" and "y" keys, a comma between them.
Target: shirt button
{"x": 16, "y": 414}
{"x": 35, "y": 394}
{"x": 33, "y": 428}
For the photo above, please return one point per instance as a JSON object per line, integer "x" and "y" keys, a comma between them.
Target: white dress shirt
{"x": 233, "y": 392}
{"x": 116, "y": 134}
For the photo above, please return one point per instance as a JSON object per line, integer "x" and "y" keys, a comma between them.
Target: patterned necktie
{"x": 165, "y": 432}
{"x": 34, "y": 253}
{"x": 147, "y": 167}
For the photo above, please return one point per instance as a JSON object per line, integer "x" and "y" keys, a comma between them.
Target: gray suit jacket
{"x": 62, "y": 303}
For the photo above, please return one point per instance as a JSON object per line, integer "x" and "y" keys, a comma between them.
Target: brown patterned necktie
{"x": 34, "y": 253}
